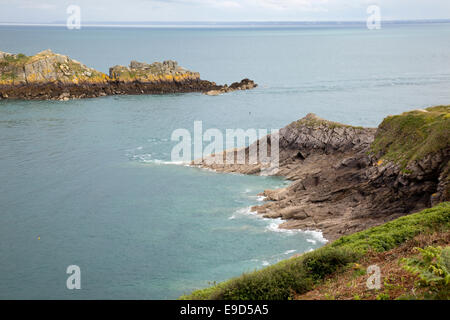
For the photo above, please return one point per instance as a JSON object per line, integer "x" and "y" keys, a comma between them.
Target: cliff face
{"x": 346, "y": 179}
{"x": 48, "y": 75}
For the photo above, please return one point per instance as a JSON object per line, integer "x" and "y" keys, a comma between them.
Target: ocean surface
{"x": 88, "y": 183}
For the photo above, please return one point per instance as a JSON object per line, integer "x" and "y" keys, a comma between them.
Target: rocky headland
{"x": 52, "y": 76}
{"x": 346, "y": 179}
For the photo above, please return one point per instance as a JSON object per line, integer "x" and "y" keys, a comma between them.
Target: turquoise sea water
{"x": 89, "y": 176}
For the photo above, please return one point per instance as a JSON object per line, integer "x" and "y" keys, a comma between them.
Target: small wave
{"x": 275, "y": 227}
{"x": 289, "y": 251}
{"x": 178, "y": 163}
{"x": 261, "y": 198}
{"x": 142, "y": 157}
{"x": 265, "y": 263}
{"x": 147, "y": 158}
{"x": 316, "y": 235}
{"x": 247, "y": 211}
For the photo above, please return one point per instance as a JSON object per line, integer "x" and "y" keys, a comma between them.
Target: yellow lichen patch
{"x": 6, "y": 82}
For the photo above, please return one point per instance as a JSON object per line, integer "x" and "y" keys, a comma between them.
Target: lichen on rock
{"x": 49, "y": 75}
{"x": 167, "y": 71}
{"x": 45, "y": 67}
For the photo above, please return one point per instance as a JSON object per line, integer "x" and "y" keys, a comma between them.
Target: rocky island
{"x": 52, "y": 76}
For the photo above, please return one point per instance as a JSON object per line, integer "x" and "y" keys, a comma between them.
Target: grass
{"x": 19, "y": 59}
{"x": 300, "y": 274}
{"x": 313, "y": 121}
{"x": 401, "y": 273}
{"x": 413, "y": 135}
{"x": 13, "y": 65}
{"x": 10, "y": 64}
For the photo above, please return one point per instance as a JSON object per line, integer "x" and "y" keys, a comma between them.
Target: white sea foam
{"x": 261, "y": 198}
{"x": 265, "y": 263}
{"x": 178, "y": 163}
{"x": 246, "y": 210}
{"x": 243, "y": 212}
{"x": 147, "y": 158}
{"x": 316, "y": 235}
{"x": 275, "y": 226}
{"x": 289, "y": 251}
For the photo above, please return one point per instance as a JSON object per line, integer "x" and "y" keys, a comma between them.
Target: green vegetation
{"x": 10, "y": 64}
{"x": 413, "y": 135}
{"x": 313, "y": 121}
{"x": 75, "y": 70}
{"x": 433, "y": 268}
{"x": 300, "y": 274}
{"x": 17, "y": 58}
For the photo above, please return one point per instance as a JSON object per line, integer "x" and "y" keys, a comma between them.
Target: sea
{"x": 91, "y": 183}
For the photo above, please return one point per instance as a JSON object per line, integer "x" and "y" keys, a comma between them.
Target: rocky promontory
{"x": 346, "y": 179}
{"x": 49, "y": 75}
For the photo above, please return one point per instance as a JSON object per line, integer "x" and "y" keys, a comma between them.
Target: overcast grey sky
{"x": 48, "y": 11}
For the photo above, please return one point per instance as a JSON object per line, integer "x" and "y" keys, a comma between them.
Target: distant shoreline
{"x": 223, "y": 24}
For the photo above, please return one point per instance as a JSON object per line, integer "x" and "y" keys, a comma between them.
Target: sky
{"x": 51, "y": 11}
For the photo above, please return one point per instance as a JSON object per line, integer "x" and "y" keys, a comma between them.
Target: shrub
{"x": 280, "y": 281}
{"x": 433, "y": 270}
{"x": 300, "y": 274}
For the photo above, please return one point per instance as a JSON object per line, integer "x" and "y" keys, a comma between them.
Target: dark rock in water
{"x": 48, "y": 75}
{"x": 245, "y": 84}
{"x": 346, "y": 179}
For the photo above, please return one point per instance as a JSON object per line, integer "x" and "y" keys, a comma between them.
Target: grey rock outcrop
{"x": 338, "y": 185}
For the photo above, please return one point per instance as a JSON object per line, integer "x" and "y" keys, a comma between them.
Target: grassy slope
{"x": 405, "y": 274}
{"x": 403, "y": 139}
{"x": 413, "y": 135}
{"x": 300, "y": 274}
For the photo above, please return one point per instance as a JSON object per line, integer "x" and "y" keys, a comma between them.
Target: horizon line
{"x": 248, "y": 23}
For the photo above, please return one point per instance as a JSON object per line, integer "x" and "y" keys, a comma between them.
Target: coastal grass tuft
{"x": 19, "y": 58}
{"x": 313, "y": 121}
{"x": 413, "y": 135}
{"x": 300, "y": 274}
